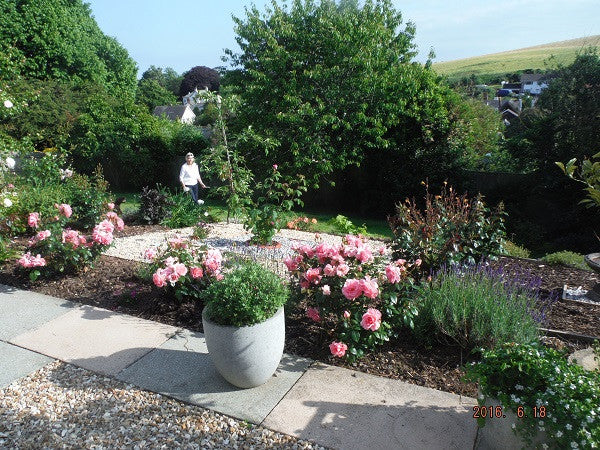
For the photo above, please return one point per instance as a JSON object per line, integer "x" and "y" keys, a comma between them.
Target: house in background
{"x": 181, "y": 113}
{"x": 533, "y": 83}
{"x": 193, "y": 101}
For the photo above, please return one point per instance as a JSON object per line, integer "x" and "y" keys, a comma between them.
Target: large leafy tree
{"x": 326, "y": 85}
{"x": 167, "y": 78}
{"x": 59, "y": 39}
{"x": 152, "y": 94}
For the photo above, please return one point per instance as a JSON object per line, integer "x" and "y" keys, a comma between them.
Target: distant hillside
{"x": 516, "y": 60}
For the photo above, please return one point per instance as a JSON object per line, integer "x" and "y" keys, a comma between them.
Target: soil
{"x": 113, "y": 284}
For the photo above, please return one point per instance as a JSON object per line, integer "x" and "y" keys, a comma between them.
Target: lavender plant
{"x": 480, "y": 306}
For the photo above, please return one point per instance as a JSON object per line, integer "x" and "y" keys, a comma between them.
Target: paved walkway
{"x": 328, "y": 405}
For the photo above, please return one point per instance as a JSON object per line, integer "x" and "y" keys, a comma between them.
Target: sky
{"x": 182, "y": 34}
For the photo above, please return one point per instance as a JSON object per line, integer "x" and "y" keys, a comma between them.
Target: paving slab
{"x": 96, "y": 339}
{"x": 341, "y": 408}
{"x": 21, "y": 311}
{"x": 18, "y": 362}
{"x": 181, "y": 368}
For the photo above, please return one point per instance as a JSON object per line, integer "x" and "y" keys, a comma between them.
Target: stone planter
{"x": 497, "y": 434}
{"x": 246, "y": 356}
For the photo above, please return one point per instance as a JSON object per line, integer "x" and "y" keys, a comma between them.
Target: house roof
{"x": 173, "y": 112}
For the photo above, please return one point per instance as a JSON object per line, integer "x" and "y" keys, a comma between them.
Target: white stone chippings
{"x": 63, "y": 406}
{"x": 225, "y": 237}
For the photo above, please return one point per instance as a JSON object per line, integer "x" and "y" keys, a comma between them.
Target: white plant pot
{"x": 246, "y": 356}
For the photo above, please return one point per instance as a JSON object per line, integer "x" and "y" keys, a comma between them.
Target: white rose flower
{"x": 7, "y": 202}
{"x": 8, "y": 104}
{"x": 10, "y": 163}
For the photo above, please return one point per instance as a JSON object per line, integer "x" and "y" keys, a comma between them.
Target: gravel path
{"x": 225, "y": 237}
{"x": 63, "y": 406}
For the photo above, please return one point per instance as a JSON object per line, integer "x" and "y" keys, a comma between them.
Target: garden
{"x": 441, "y": 293}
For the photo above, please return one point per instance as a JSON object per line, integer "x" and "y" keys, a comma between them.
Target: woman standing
{"x": 189, "y": 176}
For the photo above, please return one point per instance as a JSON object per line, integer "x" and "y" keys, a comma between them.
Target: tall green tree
{"x": 168, "y": 78}
{"x": 59, "y": 39}
{"x": 325, "y": 85}
{"x": 150, "y": 93}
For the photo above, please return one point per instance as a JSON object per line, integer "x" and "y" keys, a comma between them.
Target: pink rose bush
{"x": 183, "y": 268}
{"x": 60, "y": 249}
{"x": 364, "y": 298}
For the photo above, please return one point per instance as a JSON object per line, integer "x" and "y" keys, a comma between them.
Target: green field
{"x": 537, "y": 57}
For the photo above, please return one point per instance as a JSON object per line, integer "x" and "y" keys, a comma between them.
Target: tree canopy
{"x": 199, "y": 77}
{"x": 325, "y": 85}
{"x": 60, "y": 40}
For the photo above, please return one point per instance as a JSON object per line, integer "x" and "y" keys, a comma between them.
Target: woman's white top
{"x": 189, "y": 174}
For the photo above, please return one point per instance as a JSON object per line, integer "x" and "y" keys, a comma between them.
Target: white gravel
{"x": 63, "y": 406}
{"x": 226, "y": 237}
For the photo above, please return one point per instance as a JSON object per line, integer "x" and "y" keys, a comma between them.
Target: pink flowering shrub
{"x": 183, "y": 268}
{"x": 354, "y": 292}
{"x": 57, "y": 249}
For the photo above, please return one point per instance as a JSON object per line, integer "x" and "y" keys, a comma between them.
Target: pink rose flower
{"x": 370, "y": 287}
{"x": 290, "y": 263}
{"x": 342, "y": 270}
{"x": 313, "y": 314}
{"x": 418, "y": 262}
{"x": 400, "y": 262}
{"x": 111, "y": 206}
{"x": 40, "y": 236}
{"x": 150, "y": 253}
{"x": 180, "y": 269}
{"x": 346, "y": 314}
{"x": 111, "y": 215}
{"x": 352, "y": 289}
{"x": 275, "y": 166}
{"x": 159, "y": 279}
{"x": 177, "y": 243}
{"x": 381, "y": 250}
{"x": 329, "y": 270}
{"x": 338, "y": 349}
{"x": 326, "y": 290}
{"x": 364, "y": 254}
{"x": 393, "y": 273}
{"x": 71, "y": 236}
{"x": 28, "y": 261}
{"x": 371, "y": 320}
{"x": 196, "y": 272}
{"x": 64, "y": 209}
{"x": 313, "y": 276}
{"x": 33, "y": 220}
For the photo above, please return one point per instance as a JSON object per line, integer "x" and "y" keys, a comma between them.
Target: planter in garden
{"x": 246, "y": 356}
{"x": 244, "y": 324}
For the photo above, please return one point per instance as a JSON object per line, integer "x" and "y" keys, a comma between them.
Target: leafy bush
{"x": 361, "y": 300}
{"x": 248, "y": 295}
{"x": 6, "y": 252}
{"x": 88, "y": 197}
{"x": 182, "y": 268}
{"x": 43, "y": 169}
{"x": 201, "y": 230}
{"x": 154, "y": 205}
{"x": 478, "y": 306}
{"x": 60, "y": 250}
{"x": 450, "y": 230}
{"x": 566, "y": 258}
{"x": 532, "y": 380}
{"x": 345, "y": 225}
{"x": 516, "y": 251}
{"x": 182, "y": 211}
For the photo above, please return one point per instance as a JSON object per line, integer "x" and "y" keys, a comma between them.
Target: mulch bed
{"x": 113, "y": 284}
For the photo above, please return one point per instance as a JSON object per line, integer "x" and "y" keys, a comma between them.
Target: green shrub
{"x": 182, "y": 211}
{"x": 248, "y": 295}
{"x": 345, "y": 225}
{"x": 565, "y": 396}
{"x": 516, "y": 251}
{"x": 451, "y": 229}
{"x": 477, "y": 306}
{"x": 88, "y": 197}
{"x": 566, "y": 258}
